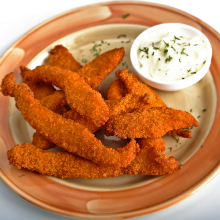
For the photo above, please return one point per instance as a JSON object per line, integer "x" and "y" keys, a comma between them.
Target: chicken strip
{"x": 54, "y": 101}
{"x": 65, "y": 133}
{"x": 149, "y": 161}
{"x": 151, "y": 123}
{"x": 135, "y": 86}
{"x": 75, "y": 116}
{"x": 134, "y": 100}
{"x": 117, "y": 90}
{"x": 79, "y": 95}
{"x": 40, "y": 89}
{"x": 95, "y": 71}
{"x": 61, "y": 57}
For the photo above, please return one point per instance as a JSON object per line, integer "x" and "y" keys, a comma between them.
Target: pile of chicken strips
{"x": 61, "y": 101}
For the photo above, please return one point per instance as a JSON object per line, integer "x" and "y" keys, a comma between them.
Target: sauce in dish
{"x": 168, "y": 56}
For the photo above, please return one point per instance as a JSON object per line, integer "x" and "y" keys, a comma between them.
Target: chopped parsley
{"x": 195, "y": 44}
{"x": 168, "y": 59}
{"x": 84, "y": 60}
{"x": 155, "y": 48}
{"x": 176, "y": 38}
{"x": 193, "y": 73}
{"x": 94, "y": 49}
{"x": 204, "y": 110}
{"x": 199, "y": 116}
{"x": 165, "y": 50}
{"x": 121, "y": 35}
{"x": 167, "y": 44}
{"x": 22, "y": 175}
{"x": 180, "y": 166}
{"x": 177, "y": 139}
{"x": 125, "y": 16}
{"x": 173, "y": 48}
{"x": 170, "y": 148}
{"x": 183, "y": 52}
{"x": 158, "y": 58}
{"x": 145, "y": 50}
{"x": 152, "y": 53}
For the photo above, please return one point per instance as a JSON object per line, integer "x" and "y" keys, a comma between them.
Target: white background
{"x": 17, "y": 18}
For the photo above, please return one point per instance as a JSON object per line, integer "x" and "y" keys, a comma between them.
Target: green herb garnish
{"x": 193, "y": 73}
{"x": 22, "y": 175}
{"x": 84, "y": 60}
{"x": 165, "y": 51}
{"x": 155, "y": 48}
{"x": 168, "y": 59}
{"x": 204, "y": 110}
{"x": 170, "y": 148}
{"x": 183, "y": 52}
{"x": 145, "y": 50}
{"x": 177, "y": 139}
{"x": 173, "y": 48}
{"x": 176, "y": 38}
{"x": 125, "y": 16}
{"x": 121, "y": 35}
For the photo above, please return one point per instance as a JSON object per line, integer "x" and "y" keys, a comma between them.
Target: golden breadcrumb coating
{"x": 149, "y": 161}
{"x": 40, "y": 89}
{"x": 65, "y": 133}
{"x": 61, "y": 57}
{"x": 95, "y": 71}
{"x": 150, "y": 123}
{"x": 79, "y": 95}
{"x": 117, "y": 90}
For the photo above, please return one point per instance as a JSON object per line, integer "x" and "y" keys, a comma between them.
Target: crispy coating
{"x": 149, "y": 161}
{"x": 41, "y": 142}
{"x": 66, "y": 133}
{"x": 54, "y": 101}
{"x": 135, "y": 86}
{"x": 151, "y": 123}
{"x": 95, "y": 71}
{"x": 117, "y": 90}
{"x": 180, "y": 133}
{"x": 157, "y": 143}
{"x": 61, "y": 57}
{"x": 75, "y": 116}
{"x": 139, "y": 96}
{"x": 79, "y": 95}
{"x": 128, "y": 104}
{"x": 40, "y": 89}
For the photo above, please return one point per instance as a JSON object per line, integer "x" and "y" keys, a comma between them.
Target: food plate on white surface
{"x": 139, "y": 195}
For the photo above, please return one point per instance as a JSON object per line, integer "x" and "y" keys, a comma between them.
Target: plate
{"x": 121, "y": 197}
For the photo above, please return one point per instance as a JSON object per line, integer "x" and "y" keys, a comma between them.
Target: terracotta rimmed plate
{"x": 123, "y": 197}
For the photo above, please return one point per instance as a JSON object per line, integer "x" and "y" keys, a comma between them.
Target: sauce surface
{"x": 169, "y": 57}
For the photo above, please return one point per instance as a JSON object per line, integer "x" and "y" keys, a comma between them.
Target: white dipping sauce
{"x": 169, "y": 57}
